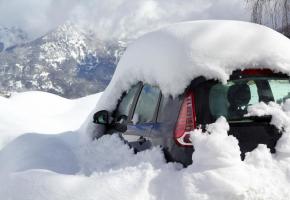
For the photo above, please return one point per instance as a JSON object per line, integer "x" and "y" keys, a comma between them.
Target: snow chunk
{"x": 208, "y": 153}
{"x": 261, "y": 157}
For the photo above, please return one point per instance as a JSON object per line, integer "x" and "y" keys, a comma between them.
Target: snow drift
{"x": 58, "y": 167}
{"x": 41, "y": 112}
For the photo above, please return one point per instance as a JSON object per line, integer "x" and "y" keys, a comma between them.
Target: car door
{"x": 143, "y": 118}
{"x": 125, "y": 107}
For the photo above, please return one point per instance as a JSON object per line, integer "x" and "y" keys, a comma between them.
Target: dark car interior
{"x": 231, "y": 100}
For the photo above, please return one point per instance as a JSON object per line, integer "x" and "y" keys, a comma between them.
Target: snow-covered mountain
{"x": 69, "y": 61}
{"x": 11, "y": 36}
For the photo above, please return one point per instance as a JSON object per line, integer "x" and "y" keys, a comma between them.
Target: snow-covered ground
{"x": 40, "y": 112}
{"x": 48, "y": 161}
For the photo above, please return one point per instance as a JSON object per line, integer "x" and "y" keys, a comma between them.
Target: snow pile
{"x": 42, "y": 112}
{"x": 219, "y": 173}
{"x": 108, "y": 169}
{"x": 120, "y": 152}
{"x": 211, "y": 142}
{"x": 171, "y": 57}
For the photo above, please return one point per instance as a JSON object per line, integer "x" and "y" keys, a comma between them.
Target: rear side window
{"x": 146, "y": 105}
{"x": 232, "y": 99}
{"x": 126, "y": 102}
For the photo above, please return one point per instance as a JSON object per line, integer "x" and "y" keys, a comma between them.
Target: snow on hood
{"x": 171, "y": 57}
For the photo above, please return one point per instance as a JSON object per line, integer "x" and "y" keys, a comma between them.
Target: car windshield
{"x": 232, "y": 99}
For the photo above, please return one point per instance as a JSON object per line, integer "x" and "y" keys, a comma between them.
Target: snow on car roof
{"x": 173, "y": 56}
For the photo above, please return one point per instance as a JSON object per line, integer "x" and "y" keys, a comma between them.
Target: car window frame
{"x": 156, "y": 109}
{"x": 135, "y": 98}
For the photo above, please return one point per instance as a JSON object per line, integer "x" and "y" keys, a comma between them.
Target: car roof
{"x": 172, "y": 57}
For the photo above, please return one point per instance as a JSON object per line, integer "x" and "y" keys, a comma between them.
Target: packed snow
{"x": 58, "y": 166}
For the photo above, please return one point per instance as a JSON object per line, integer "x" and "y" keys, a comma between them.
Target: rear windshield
{"x": 232, "y": 99}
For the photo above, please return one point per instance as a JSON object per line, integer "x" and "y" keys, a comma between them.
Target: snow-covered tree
{"x": 273, "y": 13}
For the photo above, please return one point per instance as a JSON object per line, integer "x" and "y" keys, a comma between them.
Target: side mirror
{"x": 101, "y": 117}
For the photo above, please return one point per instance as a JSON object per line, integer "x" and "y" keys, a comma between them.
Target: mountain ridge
{"x": 69, "y": 61}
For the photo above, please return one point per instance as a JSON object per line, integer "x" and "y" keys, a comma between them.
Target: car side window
{"x": 146, "y": 105}
{"x": 126, "y": 102}
{"x": 168, "y": 109}
{"x": 231, "y": 100}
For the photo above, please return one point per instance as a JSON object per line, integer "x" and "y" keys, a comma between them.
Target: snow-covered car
{"x": 183, "y": 77}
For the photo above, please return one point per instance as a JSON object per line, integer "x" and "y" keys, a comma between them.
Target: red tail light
{"x": 186, "y": 121}
{"x": 257, "y": 72}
